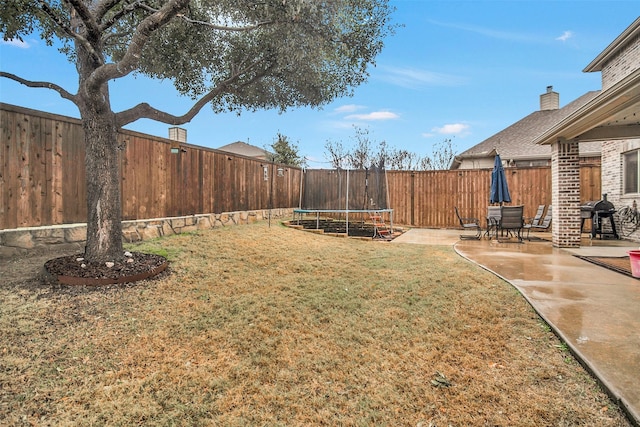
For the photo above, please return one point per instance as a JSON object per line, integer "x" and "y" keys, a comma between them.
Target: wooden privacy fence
{"x": 42, "y": 176}
{"x": 42, "y": 181}
{"x": 427, "y": 199}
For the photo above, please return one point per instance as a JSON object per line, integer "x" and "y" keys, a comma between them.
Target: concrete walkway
{"x": 595, "y": 311}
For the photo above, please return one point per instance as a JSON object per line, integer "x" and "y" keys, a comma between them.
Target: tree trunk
{"x": 104, "y": 212}
{"x": 102, "y": 163}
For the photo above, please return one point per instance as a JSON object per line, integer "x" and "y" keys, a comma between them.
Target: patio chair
{"x": 511, "y": 220}
{"x": 538, "y": 216}
{"x": 544, "y": 223}
{"x": 493, "y": 220}
{"x": 469, "y": 224}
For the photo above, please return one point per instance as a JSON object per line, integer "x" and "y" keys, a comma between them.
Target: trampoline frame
{"x": 300, "y": 212}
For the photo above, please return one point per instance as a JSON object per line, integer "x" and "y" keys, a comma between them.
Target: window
{"x": 630, "y": 171}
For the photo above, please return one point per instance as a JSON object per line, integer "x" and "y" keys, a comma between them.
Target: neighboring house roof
{"x": 516, "y": 142}
{"x": 244, "y": 149}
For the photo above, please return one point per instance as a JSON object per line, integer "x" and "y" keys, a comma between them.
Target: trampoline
{"x": 359, "y": 198}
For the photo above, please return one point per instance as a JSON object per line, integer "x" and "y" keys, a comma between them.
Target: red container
{"x": 634, "y": 258}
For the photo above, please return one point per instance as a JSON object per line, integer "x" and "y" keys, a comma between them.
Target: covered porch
{"x": 613, "y": 118}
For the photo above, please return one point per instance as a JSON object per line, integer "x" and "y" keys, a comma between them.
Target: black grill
{"x": 597, "y": 210}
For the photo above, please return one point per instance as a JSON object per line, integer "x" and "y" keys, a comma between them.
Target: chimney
{"x": 178, "y": 134}
{"x": 549, "y": 100}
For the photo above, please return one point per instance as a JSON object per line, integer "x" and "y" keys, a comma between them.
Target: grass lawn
{"x": 259, "y": 326}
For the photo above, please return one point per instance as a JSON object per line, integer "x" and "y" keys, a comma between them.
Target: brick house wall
{"x": 623, "y": 63}
{"x": 565, "y": 189}
{"x": 612, "y": 179}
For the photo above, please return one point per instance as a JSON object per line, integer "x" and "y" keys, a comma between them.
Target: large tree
{"x": 231, "y": 54}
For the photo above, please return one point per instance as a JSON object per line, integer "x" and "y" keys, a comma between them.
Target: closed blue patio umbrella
{"x": 499, "y": 187}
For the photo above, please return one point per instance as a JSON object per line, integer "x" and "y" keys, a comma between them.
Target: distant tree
{"x": 234, "y": 55}
{"x": 381, "y": 157}
{"x": 286, "y": 153}
{"x": 335, "y": 154}
{"x": 363, "y": 156}
{"x": 400, "y": 159}
{"x": 359, "y": 157}
{"x": 443, "y": 155}
{"x": 424, "y": 164}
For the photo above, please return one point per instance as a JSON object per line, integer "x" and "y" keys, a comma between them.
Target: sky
{"x": 458, "y": 70}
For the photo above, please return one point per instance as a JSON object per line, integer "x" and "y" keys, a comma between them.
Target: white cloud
{"x": 414, "y": 78}
{"x": 339, "y": 125}
{"x": 373, "y": 116}
{"x": 16, "y": 43}
{"x": 565, "y": 36}
{"x": 452, "y": 129}
{"x": 488, "y": 32}
{"x": 349, "y": 108}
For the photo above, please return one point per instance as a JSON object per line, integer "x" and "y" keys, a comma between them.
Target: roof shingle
{"x": 516, "y": 141}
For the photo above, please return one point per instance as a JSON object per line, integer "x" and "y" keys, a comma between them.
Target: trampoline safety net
{"x": 343, "y": 189}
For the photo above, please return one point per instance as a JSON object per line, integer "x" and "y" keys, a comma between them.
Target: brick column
{"x": 565, "y": 194}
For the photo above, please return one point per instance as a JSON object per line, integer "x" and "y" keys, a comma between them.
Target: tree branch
{"x": 62, "y": 92}
{"x": 68, "y": 30}
{"x": 140, "y": 37}
{"x": 56, "y": 19}
{"x": 225, "y": 27}
{"x": 105, "y": 6}
{"x": 87, "y": 19}
{"x": 214, "y": 26}
{"x": 127, "y": 9}
{"x": 145, "y": 111}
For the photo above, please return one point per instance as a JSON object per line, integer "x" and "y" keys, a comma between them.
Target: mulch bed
{"x": 73, "y": 270}
{"x": 617, "y": 264}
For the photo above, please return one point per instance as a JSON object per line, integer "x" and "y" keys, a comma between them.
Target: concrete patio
{"x": 594, "y": 310}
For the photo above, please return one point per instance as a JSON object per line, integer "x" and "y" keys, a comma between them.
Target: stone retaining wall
{"x": 68, "y": 237}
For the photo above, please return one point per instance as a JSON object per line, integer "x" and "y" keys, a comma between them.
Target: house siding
{"x": 612, "y": 180}
{"x": 622, "y": 64}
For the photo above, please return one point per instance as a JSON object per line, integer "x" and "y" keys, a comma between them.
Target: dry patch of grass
{"x": 273, "y": 326}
